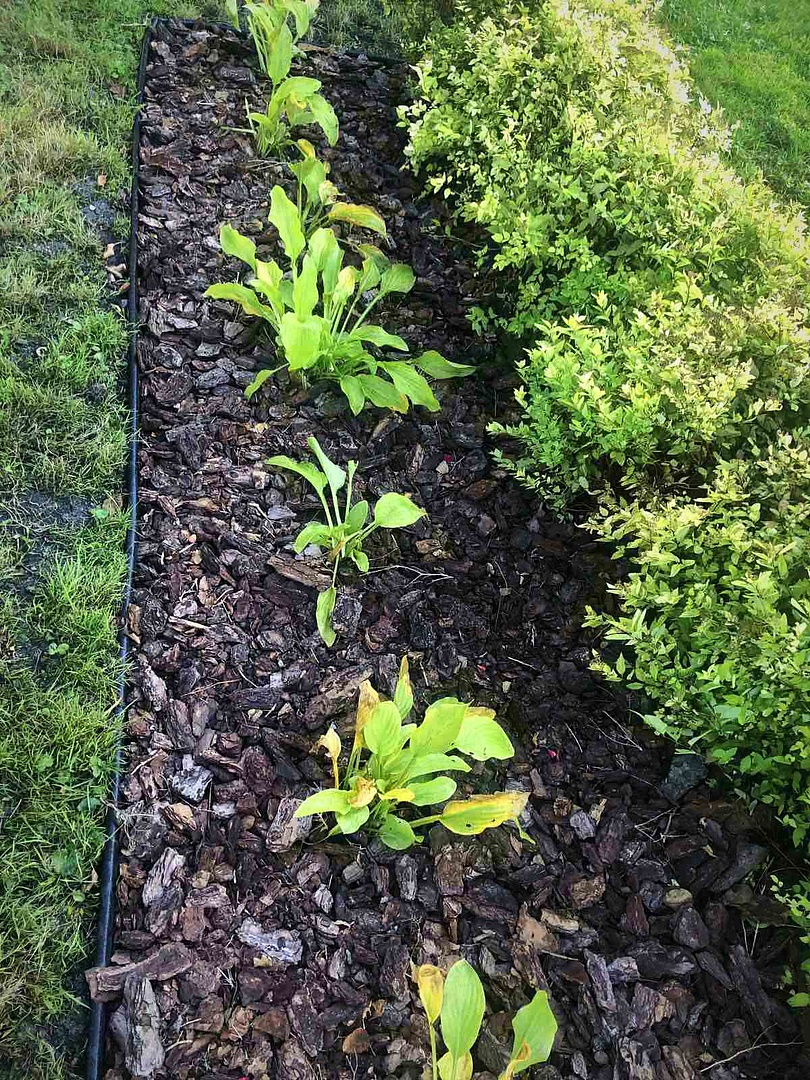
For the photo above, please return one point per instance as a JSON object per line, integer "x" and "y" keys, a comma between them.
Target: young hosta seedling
{"x": 393, "y": 765}
{"x": 295, "y": 100}
{"x": 319, "y": 314}
{"x": 346, "y": 529}
{"x": 458, "y": 1002}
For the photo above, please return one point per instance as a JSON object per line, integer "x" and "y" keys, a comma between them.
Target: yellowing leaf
{"x": 331, "y": 743}
{"x": 481, "y": 737}
{"x": 367, "y": 702}
{"x": 382, "y": 732}
{"x": 363, "y": 792}
{"x": 354, "y": 214}
{"x": 430, "y": 981}
{"x": 403, "y": 695}
{"x": 398, "y": 794}
{"x": 449, "y": 1069}
{"x": 467, "y": 817}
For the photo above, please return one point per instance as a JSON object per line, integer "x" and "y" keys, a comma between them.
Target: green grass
{"x": 67, "y": 73}
{"x": 753, "y": 58}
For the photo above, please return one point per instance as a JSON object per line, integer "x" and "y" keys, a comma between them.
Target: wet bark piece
{"x": 232, "y": 685}
{"x": 144, "y": 1054}
{"x": 106, "y": 983}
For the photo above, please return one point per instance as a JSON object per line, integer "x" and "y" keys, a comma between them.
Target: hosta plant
{"x": 394, "y": 765}
{"x": 319, "y": 314}
{"x": 347, "y": 527}
{"x": 457, "y": 1002}
{"x": 295, "y": 100}
{"x": 320, "y": 202}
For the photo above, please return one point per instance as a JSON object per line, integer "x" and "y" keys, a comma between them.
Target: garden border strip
{"x": 97, "y": 1032}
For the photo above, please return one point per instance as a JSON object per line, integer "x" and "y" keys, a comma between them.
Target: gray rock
{"x": 685, "y": 772}
{"x": 283, "y": 946}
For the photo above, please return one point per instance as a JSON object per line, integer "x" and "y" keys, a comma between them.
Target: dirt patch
{"x": 249, "y": 947}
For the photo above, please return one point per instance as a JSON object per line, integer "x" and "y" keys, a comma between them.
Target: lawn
{"x": 753, "y": 58}
{"x": 67, "y": 74}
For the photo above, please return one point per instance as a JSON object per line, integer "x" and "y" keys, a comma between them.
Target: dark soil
{"x": 247, "y": 947}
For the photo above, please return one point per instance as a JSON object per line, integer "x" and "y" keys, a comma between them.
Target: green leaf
{"x": 242, "y": 295}
{"x": 261, "y": 378}
{"x": 450, "y": 1069}
{"x": 377, "y": 336}
{"x": 360, "y": 560}
{"x": 331, "y": 800}
{"x": 301, "y": 340}
{"x": 305, "y": 289}
{"x": 314, "y": 533}
{"x": 439, "y": 730}
{"x": 483, "y": 738}
{"x": 435, "y": 365}
{"x": 427, "y": 764}
{"x": 382, "y": 732}
{"x": 310, "y": 472}
{"x": 409, "y": 382}
{"x": 241, "y": 247}
{"x": 462, "y": 1009}
{"x": 399, "y": 277}
{"x": 468, "y": 817}
{"x": 799, "y": 1001}
{"x": 325, "y": 116}
{"x": 323, "y": 614}
{"x": 396, "y": 833}
{"x": 352, "y": 820}
{"x": 433, "y": 791}
{"x": 356, "y": 517}
{"x": 535, "y": 1027}
{"x": 395, "y": 511}
{"x": 280, "y": 55}
{"x": 362, "y": 216}
{"x": 353, "y": 389}
{"x": 284, "y": 215}
{"x": 383, "y": 394}
{"x": 334, "y": 474}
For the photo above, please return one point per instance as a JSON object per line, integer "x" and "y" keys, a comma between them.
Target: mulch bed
{"x": 250, "y": 947}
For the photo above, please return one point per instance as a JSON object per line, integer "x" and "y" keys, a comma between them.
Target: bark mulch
{"x": 247, "y": 946}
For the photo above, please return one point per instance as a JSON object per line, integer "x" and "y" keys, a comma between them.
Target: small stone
{"x": 690, "y": 930}
{"x": 192, "y": 782}
{"x": 281, "y": 946}
{"x": 486, "y": 526}
{"x": 675, "y": 898}
{"x": 583, "y": 825}
{"x": 685, "y": 772}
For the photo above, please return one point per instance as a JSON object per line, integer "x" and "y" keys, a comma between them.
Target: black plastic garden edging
{"x": 97, "y": 1033}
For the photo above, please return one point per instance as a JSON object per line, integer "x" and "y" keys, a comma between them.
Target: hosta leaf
{"x": 430, "y": 981}
{"x": 462, "y": 1009}
{"x": 333, "y": 473}
{"x": 438, "y": 731}
{"x": 280, "y": 55}
{"x": 240, "y": 247}
{"x": 305, "y": 289}
{"x": 363, "y": 792}
{"x": 467, "y": 817}
{"x": 353, "y": 390}
{"x": 323, "y": 614}
{"x": 284, "y": 215}
{"x": 314, "y": 533}
{"x": 535, "y": 1027}
{"x": 245, "y": 297}
{"x": 427, "y": 764}
{"x": 352, "y": 820}
{"x": 325, "y": 116}
{"x": 400, "y": 794}
{"x": 403, "y": 695}
{"x": 360, "y": 560}
{"x": 332, "y": 745}
{"x": 399, "y": 277}
{"x": 301, "y": 340}
{"x": 482, "y": 737}
{"x": 367, "y": 702}
{"x": 394, "y": 511}
{"x": 435, "y": 365}
{"x": 430, "y": 792}
{"x": 377, "y": 336}
{"x": 311, "y": 473}
{"x": 259, "y": 381}
{"x": 323, "y": 802}
{"x": 322, "y": 248}
{"x": 356, "y": 517}
{"x": 383, "y": 394}
{"x": 408, "y": 381}
{"x": 449, "y": 1069}
{"x": 396, "y": 833}
{"x": 362, "y": 216}
{"x": 381, "y": 733}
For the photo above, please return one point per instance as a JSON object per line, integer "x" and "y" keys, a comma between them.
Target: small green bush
{"x": 664, "y": 307}
{"x": 716, "y": 615}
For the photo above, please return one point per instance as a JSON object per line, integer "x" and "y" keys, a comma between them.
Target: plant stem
{"x": 434, "y": 1070}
